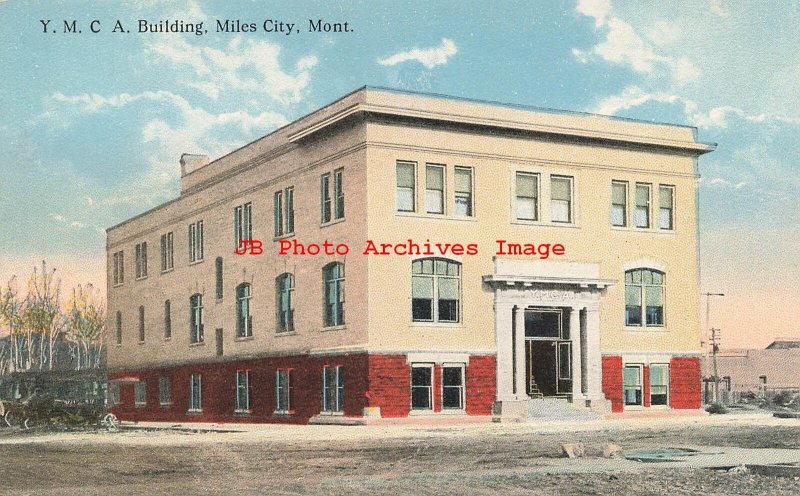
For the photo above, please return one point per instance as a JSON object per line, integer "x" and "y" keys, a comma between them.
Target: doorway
{"x": 548, "y": 353}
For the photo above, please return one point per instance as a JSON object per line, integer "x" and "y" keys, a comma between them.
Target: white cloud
{"x": 717, "y": 117}
{"x": 717, "y": 7}
{"x": 632, "y": 96}
{"x": 244, "y": 65}
{"x": 623, "y": 45}
{"x": 599, "y": 9}
{"x": 724, "y": 183}
{"x": 429, "y": 57}
{"x": 663, "y": 33}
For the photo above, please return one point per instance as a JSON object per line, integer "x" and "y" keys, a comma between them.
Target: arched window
{"x": 196, "y": 318}
{"x": 244, "y": 321}
{"x": 333, "y": 277}
{"x": 284, "y": 289}
{"x": 644, "y": 298}
{"x": 435, "y": 290}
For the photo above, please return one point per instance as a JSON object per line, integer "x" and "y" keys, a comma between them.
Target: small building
{"x": 775, "y": 368}
{"x": 396, "y": 254}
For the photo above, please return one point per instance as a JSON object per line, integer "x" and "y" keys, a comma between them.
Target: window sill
{"x": 332, "y": 414}
{"x": 196, "y": 262}
{"x": 140, "y": 405}
{"x": 242, "y": 413}
{"x": 168, "y": 338}
{"x": 165, "y": 405}
{"x": 539, "y": 223}
{"x": 415, "y": 215}
{"x": 331, "y": 222}
{"x": 643, "y": 230}
{"x": 334, "y": 328}
{"x": 141, "y": 278}
{"x": 218, "y": 300}
{"x": 167, "y": 271}
{"x": 243, "y": 338}
{"x": 201, "y": 343}
{"x": 281, "y": 334}
{"x": 283, "y": 236}
{"x": 194, "y": 412}
{"x": 645, "y": 329}
{"x": 141, "y": 342}
{"x": 118, "y": 285}
{"x": 421, "y": 413}
{"x": 283, "y": 413}
{"x": 634, "y": 408}
{"x": 444, "y": 325}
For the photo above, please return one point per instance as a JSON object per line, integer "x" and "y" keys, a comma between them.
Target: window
{"x": 244, "y": 321}
{"x": 285, "y": 293}
{"x": 140, "y": 393}
{"x": 406, "y": 185}
{"x": 112, "y": 394}
{"x": 632, "y": 385}
{"x": 141, "y": 324}
{"x": 453, "y": 387}
{"x": 641, "y": 213}
{"x": 463, "y": 194}
{"x": 196, "y": 241}
{"x": 332, "y": 197}
{"x": 421, "y": 386}
{"x": 218, "y": 278}
{"x": 659, "y": 384}
{"x": 195, "y": 393}
{"x": 119, "y": 327}
{"x": 141, "y": 260}
{"x": 565, "y": 360}
{"x": 435, "y": 290}
{"x": 332, "y": 389}
{"x": 277, "y": 203}
{"x": 167, "y": 320}
{"x": 164, "y": 395}
{"x": 196, "y": 318}
{"x": 167, "y": 253}
{"x": 561, "y": 199}
{"x": 283, "y": 391}
{"x": 644, "y": 285}
{"x": 333, "y": 276}
{"x": 284, "y": 212}
{"x": 119, "y": 268}
{"x": 434, "y": 189}
{"x": 242, "y": 224}
{"x": 243, "y": 391}
{"x": 527, "y": 196}
{"x": 619, "y": 203}
{"x": 666, "y": 219}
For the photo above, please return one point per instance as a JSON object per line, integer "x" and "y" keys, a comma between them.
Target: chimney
{"x": 191, "y": 162}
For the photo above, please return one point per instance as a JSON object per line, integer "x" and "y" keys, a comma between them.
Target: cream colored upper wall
{"x": 590, "y": 239}
{"x": 300, "y": 168}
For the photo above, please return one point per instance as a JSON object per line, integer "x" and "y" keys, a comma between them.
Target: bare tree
{"x": 85, "y": 324}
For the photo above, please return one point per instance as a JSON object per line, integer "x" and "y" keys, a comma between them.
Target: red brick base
{"x": 684, "y": 383}
{"x": 382, "y": 381}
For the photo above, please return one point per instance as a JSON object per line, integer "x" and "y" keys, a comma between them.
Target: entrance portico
{"x": 528, "y": 294}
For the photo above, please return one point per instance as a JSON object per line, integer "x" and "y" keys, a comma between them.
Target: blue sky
{"x": 92, "y": 125}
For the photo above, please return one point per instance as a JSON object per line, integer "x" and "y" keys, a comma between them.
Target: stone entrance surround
{"x": 519, "y": 284}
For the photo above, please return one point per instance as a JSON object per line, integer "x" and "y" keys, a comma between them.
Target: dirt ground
{"x": 474, "y": 459}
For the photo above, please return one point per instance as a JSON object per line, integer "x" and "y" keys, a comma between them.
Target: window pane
{"x": 463, "y": 205}
{"x": 463, "y": 180}
{"x": 527, "y": 185}
{"x": 422, "y": 309}
{"x": 640, "y": 217}
{"x": 405, "y": 200}
{"x": 631, "y": 376}
{"x": 526, "y": 209}
{"x": 665, "y": 197}
{"x": 654, "y": 296}
{"x": 421, "y": 376}
{"x": 617, "y": 215}
{"x": 560, "y": 188}
{"x": 427, "y": 266}
{"x": 642, "y": 195}
{"x": 448, "y": 310}
{"x": 422, "y": 287}
{"x": 405, "y": 175}
{"x": 434, "y": 177}
{"x": 451, "y": 376}
{"x": 434, "y": 201}
{"x": 665, "y": 218}
{"x": 416, "y": 267}
{"x": 618, "y": 193}
{"x": 451, "y": 397}
{"x": 448, "y": 288}
{"x": 559, "y": 211}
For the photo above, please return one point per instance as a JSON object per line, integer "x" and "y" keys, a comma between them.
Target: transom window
{"x": 435, "y": 290}
{"x": 644, "y": 297}
{"x": 244, "y": 321}
{"x": 285, "y": 304}
{"x": 333, "y": 277}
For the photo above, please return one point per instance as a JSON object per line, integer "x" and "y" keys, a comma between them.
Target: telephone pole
{"x": 714, "y": 343}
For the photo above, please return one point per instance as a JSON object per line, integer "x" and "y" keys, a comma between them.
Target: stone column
{"x": 522, "y": 371}
{"x": 577, "y": 366}
{"x": 594, "y": 376}
{"x": 503, "y": 318}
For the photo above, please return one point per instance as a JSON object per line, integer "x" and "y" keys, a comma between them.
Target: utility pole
{"x": 714, "y": 344}
{"x": 714, "y": 348}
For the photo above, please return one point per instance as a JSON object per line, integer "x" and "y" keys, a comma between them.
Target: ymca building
{"x": 443, "y": 322}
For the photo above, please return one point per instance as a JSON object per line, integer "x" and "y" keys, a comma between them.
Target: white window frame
{"x": 429, "y": 387}
{"x": 242, "y": 224}
{"x": 624, "y": 204}
{"x": 670, "y": 209}
{"x": 167, "y": 252}
{"x": 338, "y": 194}
{"x": 469, "y": 195}
{"x": 195, "y": 394}
{"x": 570, "y": 201}
{"x": 244, "y": 326}
{"x": 443, "y": 192}
{"x": 243, "y": 393}
{"x": 336, "y": 282}
{"x": 285, "y": 317}
{"x": 196, "y": 242}
{"x": 413, "y": 188}
{"x": 435, "y": 278}
{"x": 326, "y": 202}
{"x": 283, "y": 391}
{"x": 642, "y": 291}
{"x": 141, "y": 260}
{"x": 196, "y": 319}
{"x": 666, "y": 368}
{"x": 640, "y": 385}
{"x": 536, "y": 199}
{"x": 119, "y": 268}
{"x": 338, "y": 389}
{"x": 646, "y": 207}
{"x": 462, "y": 388}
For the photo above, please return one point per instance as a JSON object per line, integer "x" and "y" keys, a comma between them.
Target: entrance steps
{"x": 558, "y": 410}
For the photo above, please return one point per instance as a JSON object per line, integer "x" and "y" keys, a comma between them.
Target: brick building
{"x": 592, "y": 298}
